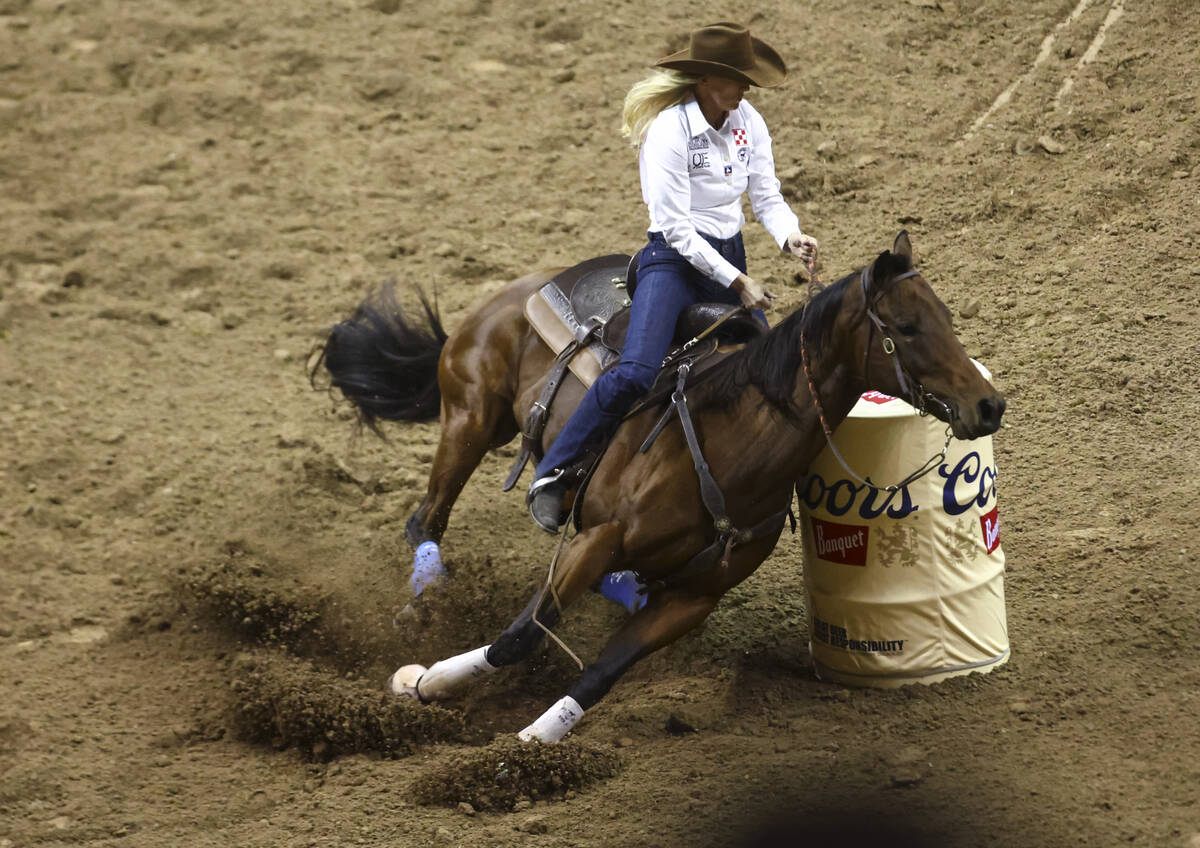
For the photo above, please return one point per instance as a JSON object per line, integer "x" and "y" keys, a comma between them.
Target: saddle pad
{"x": 553, "y": 315}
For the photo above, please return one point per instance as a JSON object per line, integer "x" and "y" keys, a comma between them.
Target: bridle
{"x": 916, "y": 394}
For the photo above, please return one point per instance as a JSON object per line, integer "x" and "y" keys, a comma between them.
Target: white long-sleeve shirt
{"x": 693, "y": 178}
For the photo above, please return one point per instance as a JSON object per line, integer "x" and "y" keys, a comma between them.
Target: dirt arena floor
{"x": 201, "y": 570}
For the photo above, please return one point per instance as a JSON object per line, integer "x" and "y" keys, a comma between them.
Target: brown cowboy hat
{"x": 727, "y": 50}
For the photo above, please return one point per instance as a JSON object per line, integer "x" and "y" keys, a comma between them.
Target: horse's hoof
{"x": 404, "y": 680}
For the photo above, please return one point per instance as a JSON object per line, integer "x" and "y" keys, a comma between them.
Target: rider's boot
{"x": 549, "y": 495}
{"x": 545, "y": 500}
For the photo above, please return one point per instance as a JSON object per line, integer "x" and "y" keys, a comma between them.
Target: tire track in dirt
{"x": 1116, "y": 9}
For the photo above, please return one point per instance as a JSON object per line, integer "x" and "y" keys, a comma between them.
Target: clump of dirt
{"x": 499, "y": 775}
{"x": 242, "y": 593}
{"x": 287, "y": 704}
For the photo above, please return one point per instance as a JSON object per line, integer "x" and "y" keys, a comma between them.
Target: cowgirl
{"x": 702, "y": 147}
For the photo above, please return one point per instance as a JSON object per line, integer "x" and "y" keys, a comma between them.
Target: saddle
{"x": 583, "y": 316}
{"x": 576, "y": 305}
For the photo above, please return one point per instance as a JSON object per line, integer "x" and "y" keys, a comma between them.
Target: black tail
{"x": 383, "y": 363}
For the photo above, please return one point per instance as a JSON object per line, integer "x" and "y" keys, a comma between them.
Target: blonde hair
{"x": 661, "y": 90}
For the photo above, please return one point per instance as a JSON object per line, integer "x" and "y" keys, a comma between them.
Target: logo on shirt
{"x": 728, "y": 170}
{"x": 699, "y": 161}
{"x": 697, "y": 142}
{"x": 743, "y": 154}
{"x": 739, "y": 136}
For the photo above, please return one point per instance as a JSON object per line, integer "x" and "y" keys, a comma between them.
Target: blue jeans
{"x": 666, "y": 285}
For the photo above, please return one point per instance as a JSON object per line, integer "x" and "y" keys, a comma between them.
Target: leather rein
{"x": 917, "y": 395}
{"x": 727, "y": 536}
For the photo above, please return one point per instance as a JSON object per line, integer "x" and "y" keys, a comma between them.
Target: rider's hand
{"x": 752, "y": 294}
{"x": 801, "y": 246}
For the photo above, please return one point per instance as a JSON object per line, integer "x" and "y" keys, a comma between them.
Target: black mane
{"x": 771, "y": 361}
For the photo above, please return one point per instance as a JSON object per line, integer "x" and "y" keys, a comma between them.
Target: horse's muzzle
{"x": 991, "y": 410}
{"x": 983, "y": 420}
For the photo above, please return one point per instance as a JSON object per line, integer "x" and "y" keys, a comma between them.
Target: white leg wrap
{"x": 555, "y": 723}
{"x": 447, "y": 675}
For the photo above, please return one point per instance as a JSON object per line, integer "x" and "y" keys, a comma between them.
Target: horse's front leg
{"x": 588, "y": 556}
{"x": 667, "y": 616}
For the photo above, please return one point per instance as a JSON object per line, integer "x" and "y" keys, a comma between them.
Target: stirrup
{"x": 542, "y": 482}
{"x": 549, "y": 486}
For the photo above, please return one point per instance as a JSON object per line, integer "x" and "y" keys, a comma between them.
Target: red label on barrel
{"x": 845, "y": 544}
{"x": 990, "y": 524}
{"x": 877, "y": 397}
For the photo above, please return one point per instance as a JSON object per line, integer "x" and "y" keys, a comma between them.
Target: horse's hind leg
{"x": 473, "y": 420}
{"x": 468, "y": 431}
{"x": 663, "y": 620}
{"x": 589, "y": 555}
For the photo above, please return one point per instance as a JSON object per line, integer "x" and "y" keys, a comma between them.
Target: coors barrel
{"x": 907, "y": 586}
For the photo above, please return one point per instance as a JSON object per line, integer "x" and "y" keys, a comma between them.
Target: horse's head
{"x": 912, "y": 352}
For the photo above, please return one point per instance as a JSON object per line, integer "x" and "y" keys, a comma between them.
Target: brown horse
{"x": 881, "y": 328}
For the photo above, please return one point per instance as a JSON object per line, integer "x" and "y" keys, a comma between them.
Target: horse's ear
{"x": 903, "y": 247}
{"x": 880, "y": 268}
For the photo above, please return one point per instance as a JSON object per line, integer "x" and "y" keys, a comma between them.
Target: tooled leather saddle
{"x": 582, "y": 315}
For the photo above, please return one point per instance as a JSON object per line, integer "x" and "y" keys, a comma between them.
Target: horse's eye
{"x": 908, "y": 329}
